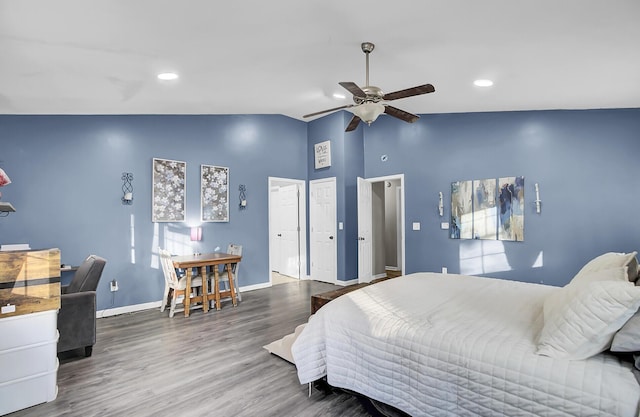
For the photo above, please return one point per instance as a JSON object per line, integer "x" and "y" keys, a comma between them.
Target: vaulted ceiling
{"x": 287, "y": 57}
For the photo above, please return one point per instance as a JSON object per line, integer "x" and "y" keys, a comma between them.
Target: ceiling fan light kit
{"x": 368, "y": 112}
{"x": 370, "y": 101}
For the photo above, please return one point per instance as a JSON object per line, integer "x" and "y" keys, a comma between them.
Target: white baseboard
{"x": 345, "y": 283}
{"x": 380, "y": 276}
{"x": 392, "y": 268}
{"x": 255, "y": 287}
{"x": 127, "y": 309}
{"x": 156, "y": 304}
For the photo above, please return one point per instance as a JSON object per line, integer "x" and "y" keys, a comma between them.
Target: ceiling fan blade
{"x": 401, "y": 114}
{"x": 414, "y": 91}
{"x": 355, "y": 120}
{"x": 346, "y": 106}
{"x": 353, "y": 89}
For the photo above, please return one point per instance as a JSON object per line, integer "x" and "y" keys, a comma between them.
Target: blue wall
{"x": 66, "y": 173}
{"x": 585, "y": 163}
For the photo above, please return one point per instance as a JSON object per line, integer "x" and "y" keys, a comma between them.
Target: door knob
{"x": 279, "y": 235}
{"x": 360, "y": 238}
{"x": 331, "y": 237}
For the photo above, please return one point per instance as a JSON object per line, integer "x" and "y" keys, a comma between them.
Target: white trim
{"x": 127, "y": 309}
{"x": 255, "y": 287}
{"x": 156, "y": 304}
{"x": 345, "y": 283}
{"x": 392, "y": 268}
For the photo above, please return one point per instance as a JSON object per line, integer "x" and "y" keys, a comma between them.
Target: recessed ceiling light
{"x": 168, "y": 76}
{"x": 483, "y": 83}
{"x": 338, "y": 95}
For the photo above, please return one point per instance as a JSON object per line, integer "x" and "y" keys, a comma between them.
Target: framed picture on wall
{"x": 168, "y": 190}
{"x": 214, "y": 193}
{"x": 322, "y": 153}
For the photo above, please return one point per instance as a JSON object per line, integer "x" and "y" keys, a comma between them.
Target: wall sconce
{"x": 196, "y": 234}
{"x": 243, "y": 197}
{"x": 440, "y": 204}
{"x": 127, "y": 188}
{"x": 538, "y": 202}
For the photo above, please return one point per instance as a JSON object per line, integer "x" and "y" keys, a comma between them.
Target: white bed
{"x": 453, "y": 345}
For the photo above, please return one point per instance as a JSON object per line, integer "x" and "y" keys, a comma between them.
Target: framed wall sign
{"x": 169, "y": 190}
{"x": 323, "y": 154}
{"x": 214, "y": 193}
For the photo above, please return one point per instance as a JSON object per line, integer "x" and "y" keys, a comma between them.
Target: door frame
{"x": 302, "y": 221}
{"x": 401, "y": 241}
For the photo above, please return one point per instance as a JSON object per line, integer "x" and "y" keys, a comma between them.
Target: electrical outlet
{"x": 114, "y": 285}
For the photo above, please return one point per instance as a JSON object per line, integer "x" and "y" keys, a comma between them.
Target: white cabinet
{"x": 28, "y": 361}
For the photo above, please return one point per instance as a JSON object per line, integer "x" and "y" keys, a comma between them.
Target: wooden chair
{"x": 176, "y": 287}
{"x": 223, "y": 277}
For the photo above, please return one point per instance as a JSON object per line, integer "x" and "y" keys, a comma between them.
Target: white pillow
{"x": 581, "y": 318}
{"x": 611, "y": 260}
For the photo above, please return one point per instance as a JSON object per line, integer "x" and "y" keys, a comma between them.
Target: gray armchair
{"x": 77, "y": 315}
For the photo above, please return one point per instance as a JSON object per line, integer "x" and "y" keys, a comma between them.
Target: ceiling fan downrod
{"x": 367, "y": 48}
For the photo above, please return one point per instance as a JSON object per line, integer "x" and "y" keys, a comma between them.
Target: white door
{"x": 287, "y": 241}
{"x": 323, "y": 248}
{"x": 365, "y": 239}
{"x": 288, "y": 233}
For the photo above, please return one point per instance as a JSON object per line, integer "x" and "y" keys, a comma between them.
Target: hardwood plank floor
{"x": 210, "y": 364}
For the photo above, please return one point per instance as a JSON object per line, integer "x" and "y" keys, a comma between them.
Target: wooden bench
{"x": 318, "y": 300}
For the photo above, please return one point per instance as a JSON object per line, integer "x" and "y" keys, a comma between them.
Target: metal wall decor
{"x": 169, "y": 190}
{"x": 214, "y": 193}
{"x": 127, "y": 188}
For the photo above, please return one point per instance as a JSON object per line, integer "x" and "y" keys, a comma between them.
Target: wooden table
{"x": 202, "y": 261}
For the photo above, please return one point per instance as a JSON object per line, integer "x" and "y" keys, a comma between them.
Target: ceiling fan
{"x": 370, "y": 100}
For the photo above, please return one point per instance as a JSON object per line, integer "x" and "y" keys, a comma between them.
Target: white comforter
{"x": 452, "y": 345}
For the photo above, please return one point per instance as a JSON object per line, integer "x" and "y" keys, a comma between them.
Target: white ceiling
{"x": 287, "y": 56}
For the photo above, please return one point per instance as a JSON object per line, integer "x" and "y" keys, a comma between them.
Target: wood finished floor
{"x": 210, "y": 364}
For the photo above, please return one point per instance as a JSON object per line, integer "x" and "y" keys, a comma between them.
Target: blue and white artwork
{"x": 485, "y": 223}
{"x": 511, "y": 208}
{"x": 169, "y": 193}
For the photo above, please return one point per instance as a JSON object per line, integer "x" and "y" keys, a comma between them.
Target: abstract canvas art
{"x": 214, "y": 193}
{"x": 511, "y": 208}
{"x": 484, "y": 209}
{"x": 168, "y": 194}
{"x": 461, "y": 226}
{"x": 488, "y": 209}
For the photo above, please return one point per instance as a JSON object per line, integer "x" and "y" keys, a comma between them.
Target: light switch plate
{"x": 416, "y": 225}
{"x": 444, "y": 225}
{"x": 340, "y": 226}
{"x": 9, "y": 308}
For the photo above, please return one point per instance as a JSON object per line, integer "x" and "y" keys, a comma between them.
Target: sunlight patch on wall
{"x": 538, "y": 262}
{"x": 483, "y": 257}
{"x": 132, "y": 230}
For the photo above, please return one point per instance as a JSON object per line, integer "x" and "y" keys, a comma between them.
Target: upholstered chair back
{"x": 87, "y": 276}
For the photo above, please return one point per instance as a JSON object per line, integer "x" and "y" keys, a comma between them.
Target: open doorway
{"x": 287, "y": 231}
{"x": 380, "y": 227}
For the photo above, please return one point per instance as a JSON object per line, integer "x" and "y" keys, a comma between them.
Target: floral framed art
{"x": 214, "y": 193}
{"x": 169, "y": 190}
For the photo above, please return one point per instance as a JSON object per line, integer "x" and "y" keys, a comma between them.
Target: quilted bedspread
{"x": 453, "y": 345}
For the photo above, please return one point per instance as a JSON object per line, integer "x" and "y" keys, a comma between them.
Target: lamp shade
{"x": 196, "y": 233}
{"x": 368, "y": 112}
{"x": 4, "y": 178}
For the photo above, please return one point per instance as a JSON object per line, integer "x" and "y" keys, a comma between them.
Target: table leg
{"x": 205, "y": 297}
{"x": 187, "y": 294}
{"x": 232, "y": 287}
{"x": 216, "y": 278}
